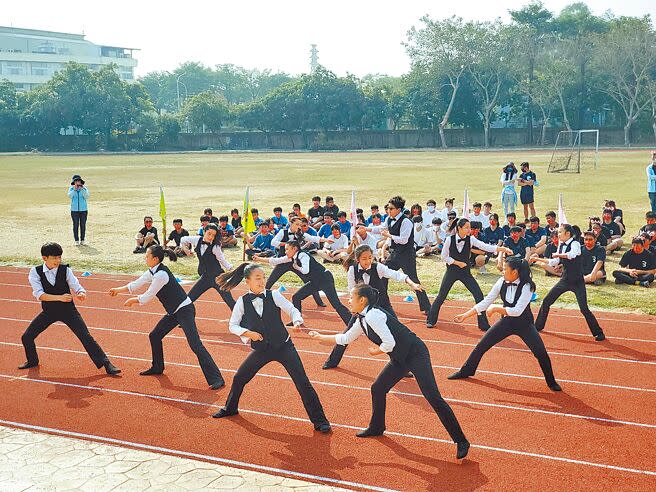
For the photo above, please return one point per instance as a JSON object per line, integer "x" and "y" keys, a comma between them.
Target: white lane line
{"x": 348, "y": 426}
{"x": 393, "y": 391}
{"x": 197, "y": 456}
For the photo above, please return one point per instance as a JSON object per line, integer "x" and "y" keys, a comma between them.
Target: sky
{"x": 356, "y": 36}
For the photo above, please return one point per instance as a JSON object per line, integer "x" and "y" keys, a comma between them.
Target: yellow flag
{"x": 247, "y": 219}
{"x": 162, "y": 207}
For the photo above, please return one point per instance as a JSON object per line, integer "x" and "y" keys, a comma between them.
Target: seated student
{"x": 261, "y": 243}
{"x": 430, "y": 213}
{"x": 308, "y": 246}
{"x": 362, "y": 236}
{"x": 438, "y": 234}
{"x": 478, "y": 258}
{"x": 147, "y": 235}
{"x": 235, "y": 222}
{"x": 536, "y": 236}
{"x": 212, "y": 219}
{"x": 204, "y": 220}
{"x": 636, "y": 265}
{"x": 477, "y": 215}
{"x": 330, "y": 207}
{"x": 296, "y": 210}
{"x": 551, "y": 248}
{"x": 511, "y": 221}
{"x": 618, "y": 215}
{"x": 326, "y": 229}
{"x": 376, "y": 221}
{"x": 448, "y": 208}
{"x": 649, "y": 237}
{"x": 272, "y": 227}
{"x": 421, "y": 236}
{"x": 433, "y": 242}
{"x": 315, "y": 213}
{"x": 336, "y": 248}
{"x": 487, "y": 212}
{"x": 552, "y": 225}
{"x": 228, "y": 239}
{"x": 650, "y": 218}
{"x": 600, "y": 237}
{"x": 374, "y": 210}
{"x": 278, "y": 219}
{"x": 416, "y": 211}
{"x": 612, "y": 231}
{"x": 593, "y": 258}
{"x": 257, "y": 220}
{"x": 449, "y": 226}
{"x": 517, "y": 244}
{"x": 493, "y": 234}
{"x": 344, "y": 225}
{"x": 176, "y": 235}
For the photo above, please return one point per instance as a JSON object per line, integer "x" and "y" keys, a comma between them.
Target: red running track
{"x": 599, "y": 432}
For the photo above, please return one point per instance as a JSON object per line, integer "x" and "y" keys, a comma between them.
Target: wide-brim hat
{"x": 76, "y": 177}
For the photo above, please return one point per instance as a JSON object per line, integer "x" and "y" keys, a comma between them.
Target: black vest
{"x": 403, "y": 337}
{"x": 397, "y": 249}
{"x": 527, "y": 315}
{"x": 285, "y": 239}
{"x": 269, "y": 325}
{"x": 572, "y": 269}
{"x": 380, "y": 284}
{"x": 207, "y": 262}
{"x": 460, "y": 255}
{"x": 172, "y": 294}
{"x": 316, "y": 274}
{"x": 61, "y": 287}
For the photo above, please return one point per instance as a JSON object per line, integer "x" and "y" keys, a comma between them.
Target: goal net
{"x": 575, "y": 150}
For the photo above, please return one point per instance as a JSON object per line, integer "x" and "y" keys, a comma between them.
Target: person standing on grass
{"x": 256, "y": 319}
{"x": 515, "y": 289}
{"x": 651, "y": 181}
{"x": 572, "y": 280}
{"x": 180, "y": 311}
{"x": 407, "y": 352}
{"x": 51, "y": 284}
{"x": 79, "y": 194}
{"x": 508, "y": 194}
{"x": 527, "y": 181}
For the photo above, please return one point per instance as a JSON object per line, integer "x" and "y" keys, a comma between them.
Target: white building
{"x": 29, "y": 57}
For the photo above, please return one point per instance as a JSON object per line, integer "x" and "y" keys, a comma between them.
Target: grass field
{"x": 34, "y": 207}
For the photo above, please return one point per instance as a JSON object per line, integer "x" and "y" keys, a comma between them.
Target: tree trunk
{"x": 442, "y": 139}
{"x": 447, "y": 114}
{"x": 653, "y": 125}
{"x": 564, "y": 110}
{"x": 486, "y": 128}
{"x": 627, "y": 133}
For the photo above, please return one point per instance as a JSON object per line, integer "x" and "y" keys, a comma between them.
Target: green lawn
{"x": 34, "y": 207}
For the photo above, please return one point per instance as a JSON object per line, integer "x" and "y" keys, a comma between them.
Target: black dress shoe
{"x": 324, "y": 428}
{"x": 321, "y": 304}
{"x": 111, "y": 369}
{"x": 151, "y": 372}
{"x": 224, "y": 413}
{"x": 218, "y": 384}
{"x": 329, "y": 365}
{"x": 430, "y": 325}
{"x": 457, "y": 375}
{"x": 600, "y": 338}
{"x": 555, "y": 387}
{"x": 28, "y": 364}
{"x": 291, "y": 323}
{"x": 370, "y": 433}
{"x": 463, "y": 449}
{"x": 409, "y": 375}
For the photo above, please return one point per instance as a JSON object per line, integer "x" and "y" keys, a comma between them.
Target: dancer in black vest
{"x": 362, "y": 269}
{"x": 211, "y": 263}
{"x": 51, "y": 284}
{"x": 400, "y": 231}
{"x": 318, "y": 277}
{"x": 282, "y": 237}
{"x": 515, "y": 289}
{"x": 569, "y": 255}
{"x": 179, "y": 311}
{"x": 456, "y": 254}
{"x": 256, "y": 319}
{"x": 406, "y": 352}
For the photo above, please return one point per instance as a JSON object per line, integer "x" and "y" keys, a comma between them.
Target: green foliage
{"x": 206, "y": 111}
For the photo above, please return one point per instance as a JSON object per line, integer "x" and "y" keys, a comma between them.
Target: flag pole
{"x": 162, "y": 212}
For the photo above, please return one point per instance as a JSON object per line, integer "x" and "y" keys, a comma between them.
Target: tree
{"x": 206, "y": 110}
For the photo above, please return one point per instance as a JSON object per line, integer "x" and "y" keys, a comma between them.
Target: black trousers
{"x": 79, "y": 223}
{"x": 558, "y": 290}
{"x": 337, "y": 353}
{"x": 186, "y": 318}
{"x": 279, "y": 270}
{"x": 419, "y": 363}
{"x": 501, "y": 330}
{"x": 74, "y": 321}
{"x": 408, "y": 264}
{"x": 207, "y": 282}
{"x": 453, "y": 274}
{"x": 288, "y": 357}
{"x": 327, "y": 285}
{"x": 625, "y": 278}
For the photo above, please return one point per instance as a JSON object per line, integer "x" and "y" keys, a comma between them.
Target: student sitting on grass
{"x": 344, "y": 225}
{"x": 326, "y": 229}
{"x": 552, "y": 225}
{"x": 612, "y": 231}
{"x": 477, "y": 215}
{"x": 308, "y": 246}
{"x": 511, "y": 221}
{"x": 212, "y": 219}
{"x": 650, "y": 218}
{"x": 261, "y": 243}
{"x": 517, "y": 244}
{"x": 146, "y": 236}
{"x": 477, "y": 257}
{"x": 235, "y": 222}
{"x": 597, "y": 230}
{"x": 278, "y": 219}
{"x": 536, "y": 236}
{"x": 204, "y": 221}
{"x": 636, "y": 265}
{"x": 618, "y": 215}
{"x": 493, "y": 234}
{"x": 552, "y": 247}
{"x": 593, "y": 258}
{"x": 315, "y": 213}
{"x": 228, "y": 239}
{"x": 336, "y": 248}
{"x": 257, "y": 220}
{"x": 330, "y": 207}
{"x": 176, "y": 235}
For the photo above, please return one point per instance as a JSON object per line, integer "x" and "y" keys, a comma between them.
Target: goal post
{"x": 573, "y": 150}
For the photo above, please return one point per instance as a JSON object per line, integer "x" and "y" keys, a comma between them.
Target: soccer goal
{"x": 574, "y": 150}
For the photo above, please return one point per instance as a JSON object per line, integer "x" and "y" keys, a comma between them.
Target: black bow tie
{"x": 368, "y": 271}
{"x": 561, "y": 247}
{"x": 392, "y": 219}
{"x": 462, "y": 240}
{"x": 206, "y": 243}
{"x": 261, "y": 296}
{"x": 509, "y": 284}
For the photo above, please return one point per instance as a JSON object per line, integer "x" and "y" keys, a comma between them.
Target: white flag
{"x": 562, "y": 219}
{"x": 354, "y": 214}
{"x": 465, "y": 205}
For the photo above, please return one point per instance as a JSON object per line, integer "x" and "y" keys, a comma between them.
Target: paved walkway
{"x": 31, "y": 461}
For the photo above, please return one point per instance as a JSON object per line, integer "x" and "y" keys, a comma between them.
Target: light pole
{"x": 177, "y": 87}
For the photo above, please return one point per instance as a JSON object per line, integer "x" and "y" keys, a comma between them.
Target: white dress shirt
{"x": 341, "y": 242}
{"x": 522, "y": 302}
{"x": 276, "y": 242}
{"x": 374, "y": 319}
{"x": 475, "y": 243}
{"x": 216, "y": 249}
{"x": 303, "y": 257}
{"x": 156, "y": 281}
{"x": 51, "y": 276}
{"x": 571, "y": 254}
{"x": 238, "y": 312}
{"x": 383, "y": 272}
{"x": 404, "y": 233}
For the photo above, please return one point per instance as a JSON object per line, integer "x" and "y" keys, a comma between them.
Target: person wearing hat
{"x": 79, "y": 194}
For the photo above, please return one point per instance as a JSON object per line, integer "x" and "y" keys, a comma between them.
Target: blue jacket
{"x": 78, "y": 199}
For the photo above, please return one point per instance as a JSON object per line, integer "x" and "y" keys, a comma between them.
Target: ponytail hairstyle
{"x": 520, "y": 264}
{"x": 159, "y": 252}
{"x": 295, "y": 244}
{"x": 449, "y": 200}
{"x": 364, "y": 290}
{"x": 230, "y": 280}
{"x": 354, "y": 256}
{"x": 572, "y": 231}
